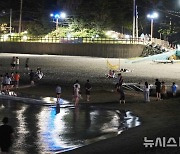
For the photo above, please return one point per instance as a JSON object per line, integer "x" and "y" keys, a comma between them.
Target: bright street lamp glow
{"x": 154, "y": 15}
{"x": 63, "y": 15}
{"x": 24, "y": 38}
{"x": 57, "y": 16}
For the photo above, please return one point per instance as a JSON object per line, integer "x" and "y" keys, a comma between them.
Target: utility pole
{"x": 152, "y": 21}
{"x": 134, "y": 19}
{"x": 137, "y": 23}
{"x": 10, "y": 21}
{"x": 20, "y": 16}
{"x": 57, "y": 23}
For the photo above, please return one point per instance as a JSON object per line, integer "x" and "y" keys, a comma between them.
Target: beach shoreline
{"x": 159, "y": 118}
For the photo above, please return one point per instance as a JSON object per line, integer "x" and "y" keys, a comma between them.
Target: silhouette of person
{"x": 57, "y": 108}
{"x": 58, "y": 93}
{"x": 6, "y": 133}
{"x": 88, "y": 90}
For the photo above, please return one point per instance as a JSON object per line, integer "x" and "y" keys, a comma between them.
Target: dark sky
{"x": 34, "y": 5}
{"x": 32, "y": 9}
{"x": 27, "y": 4}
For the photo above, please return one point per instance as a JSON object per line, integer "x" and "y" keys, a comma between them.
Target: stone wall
{"x": 84, "y": 49}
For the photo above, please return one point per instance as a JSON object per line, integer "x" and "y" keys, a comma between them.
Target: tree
{"x": 105, "y": 14}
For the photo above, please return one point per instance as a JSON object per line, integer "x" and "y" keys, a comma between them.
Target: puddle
{"x": 49, "y": 129}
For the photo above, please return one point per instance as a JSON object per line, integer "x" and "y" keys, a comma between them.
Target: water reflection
{"x": 42, "y": 129}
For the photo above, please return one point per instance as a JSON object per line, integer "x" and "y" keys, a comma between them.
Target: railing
{"x": 45, "y": 39}
{"x": 71, "y": 40}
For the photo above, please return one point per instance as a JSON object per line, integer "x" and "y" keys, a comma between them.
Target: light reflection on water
{"x": 42, "y": 129}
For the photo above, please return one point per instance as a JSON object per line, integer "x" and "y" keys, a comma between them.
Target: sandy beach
{"x": 159, "y": 118}
{"x": 69, "y": 68}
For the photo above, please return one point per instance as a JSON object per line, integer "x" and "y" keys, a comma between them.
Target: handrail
{"x": 40, "y": 39}
{"x": 70, "y": 40}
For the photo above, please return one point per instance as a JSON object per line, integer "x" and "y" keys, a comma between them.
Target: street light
{"x": 10, "y": 19}
{"x": 61, "y": 16}
{"x": 152, "y": 16}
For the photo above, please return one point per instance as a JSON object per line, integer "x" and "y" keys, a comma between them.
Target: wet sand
{"x": 159, "y": 118}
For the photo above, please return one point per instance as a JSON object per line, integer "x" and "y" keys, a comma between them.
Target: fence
{"x": 70, "y": 40}
{"x": 8, "y": 38}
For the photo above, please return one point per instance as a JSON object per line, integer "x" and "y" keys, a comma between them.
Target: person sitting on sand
{"x": 125, "y": 70}
{"x": 39, "y": 73}
{"x": 111, "y": 74}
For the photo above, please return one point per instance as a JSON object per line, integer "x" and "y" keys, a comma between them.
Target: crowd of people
{"x": 161, "y": 90}
{"x": 76, "y": 92}
{"x": 8, "y": 81}
{"x": 112, "y": 73}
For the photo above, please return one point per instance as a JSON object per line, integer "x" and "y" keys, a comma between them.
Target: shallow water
{"x": 48, "y": 129}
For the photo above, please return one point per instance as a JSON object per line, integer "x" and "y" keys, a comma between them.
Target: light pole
{"x": 57, "y": 17}
{"x": 152, "y": 16}
{"x": 134, "y": 18}
{"x": 10, "y": 21}
{"x": 20, "y": 16}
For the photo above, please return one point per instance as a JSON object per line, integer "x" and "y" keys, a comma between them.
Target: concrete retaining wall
{"x": 85, "y": 49}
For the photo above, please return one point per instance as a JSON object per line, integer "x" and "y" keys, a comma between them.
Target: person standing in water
{"x": 58, "y": 93}
{"x": 88, "y": 89}
{"x": 76, "y": 94}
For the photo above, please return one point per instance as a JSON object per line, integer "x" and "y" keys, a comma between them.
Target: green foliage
{"x": 77, "y": 29}
{"x": 166, "y": 31}
{"x": 60, "y": 32}
{"x": 37, "y": 29}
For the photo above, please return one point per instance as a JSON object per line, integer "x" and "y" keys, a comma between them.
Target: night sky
{"x": 33, "y": 9}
